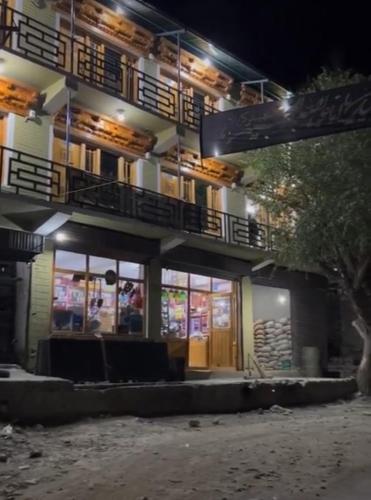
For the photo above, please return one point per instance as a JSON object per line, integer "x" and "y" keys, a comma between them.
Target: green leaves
{"x": 320, "y": 191}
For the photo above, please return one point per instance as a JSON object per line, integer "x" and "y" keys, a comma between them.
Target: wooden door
{"x": 221, "y": 345}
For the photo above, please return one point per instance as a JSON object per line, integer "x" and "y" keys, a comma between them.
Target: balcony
{"x": 27, "y": 175}
{"x": 70, "y": 56}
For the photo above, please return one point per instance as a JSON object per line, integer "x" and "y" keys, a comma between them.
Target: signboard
{"x": 300, "y": 117}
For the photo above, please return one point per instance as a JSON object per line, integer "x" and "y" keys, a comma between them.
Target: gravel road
{"x": 308, "y": 453}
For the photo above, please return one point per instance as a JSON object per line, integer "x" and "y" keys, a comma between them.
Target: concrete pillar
{"x": 247, "y": 321}
{"x": 147, "y": 174}
{"x": 45, "y": 14}
{"x": 147, "y": 93}
{"x": 48, "y": 17}
{"x": 34, "y": 138}
{"x": 224, "y": 104}
{"x": 41, "y": 300}
{"x": 233, "y": 202}
{"x": 22, "y": 291}
{"x": 153, "y": 300}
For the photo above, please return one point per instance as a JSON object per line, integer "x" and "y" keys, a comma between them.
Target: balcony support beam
{"x": 57, "y": 95}
{"x": 170, "y": 243}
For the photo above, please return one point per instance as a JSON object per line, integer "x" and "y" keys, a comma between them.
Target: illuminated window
{"x": 89, "y": 296}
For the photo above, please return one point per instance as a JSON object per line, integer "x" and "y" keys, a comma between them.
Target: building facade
{"x": 112, "y": 224}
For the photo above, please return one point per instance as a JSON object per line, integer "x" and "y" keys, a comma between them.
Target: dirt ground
{"x": 299, "y": 454}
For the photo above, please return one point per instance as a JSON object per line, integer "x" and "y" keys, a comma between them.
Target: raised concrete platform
{"x": 32, "y": 399}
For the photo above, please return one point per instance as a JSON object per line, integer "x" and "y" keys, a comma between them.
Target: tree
{"x": 319, "y": 190}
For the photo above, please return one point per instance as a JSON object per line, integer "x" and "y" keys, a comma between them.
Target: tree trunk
{"x": 364, "y": 369}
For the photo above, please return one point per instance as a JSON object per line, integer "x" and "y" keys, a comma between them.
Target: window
{"x": 174, "y": 312}
{"x": 131, "y": 270}
{"x": 199, "y": 282}
{"x": 174, "y": 278}
{"x": 97, "y": 295}
{"x": 69, "y": 302}
{"x": 100, "y": 265}
{"x": 222, "y": 286}
{"x": 169, "y": 185}
{"x": 70, "y": 260}
{"x": 108, "y": 165}
{"x": 89, "y": 160}
{"x": 187, "y": 300}
{"x": 131, "y": 307}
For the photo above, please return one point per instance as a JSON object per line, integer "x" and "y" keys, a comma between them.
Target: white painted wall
{"x": 233, "y": 202}
{"x": 147, "y": 174}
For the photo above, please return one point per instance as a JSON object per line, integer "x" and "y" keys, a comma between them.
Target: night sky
{"x": 288, "y": 40}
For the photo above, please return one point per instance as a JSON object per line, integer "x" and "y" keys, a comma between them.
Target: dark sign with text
{"x": 300, "y": 117}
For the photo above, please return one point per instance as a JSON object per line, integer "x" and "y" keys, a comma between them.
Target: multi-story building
{"x": 111, "y": 222}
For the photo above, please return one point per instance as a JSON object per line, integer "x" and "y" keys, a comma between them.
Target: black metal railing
{"x": 29, "y": 175}
{"x": 99, "y": 67}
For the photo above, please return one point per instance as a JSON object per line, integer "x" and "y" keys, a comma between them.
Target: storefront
{"x": 199, "y": 316}
{"x": 97, "y": 295}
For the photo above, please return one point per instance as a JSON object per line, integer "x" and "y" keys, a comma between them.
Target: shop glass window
{"x": 199, "y": 282}
{"x": 69, "y": 302}
{"x": 199, "y": 315}
{"x": 174, "y": 278}
{"x": 222, "y": 312}
{"x": 221, "y": 286}
{"x": 93, "y": 299}
{"x": 131, "y": 270}
{"x": 100, "y": 265}
{"x": 130, "y": 308}
{"x": 70, "y": 260}
{"x": 101, "y": 306}
{"x": 174, "y": 312}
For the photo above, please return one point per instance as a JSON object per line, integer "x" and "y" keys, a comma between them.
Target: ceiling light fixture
{"x": 60, "y": 237}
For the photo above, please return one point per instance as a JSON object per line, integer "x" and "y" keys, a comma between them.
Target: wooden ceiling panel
{"x": 209, "y": 168}
{"x": 194, "y": 67}
{"x": 90, "y": 126}
{"x": 16, "y": 98}
{"x": 101, "y": 18}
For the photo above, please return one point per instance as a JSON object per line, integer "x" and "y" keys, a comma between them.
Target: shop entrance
{"x": 198, "y": 317}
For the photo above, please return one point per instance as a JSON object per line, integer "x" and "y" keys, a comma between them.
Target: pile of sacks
{"x": 272, "y": 343}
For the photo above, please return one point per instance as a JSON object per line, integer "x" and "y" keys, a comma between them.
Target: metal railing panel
{"x": 29, "y": 175}
{"x": 59, "y": 51}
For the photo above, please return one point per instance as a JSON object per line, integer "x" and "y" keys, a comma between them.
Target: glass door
{"x": 199, "y": 329}
{"x": 221, "y": 346}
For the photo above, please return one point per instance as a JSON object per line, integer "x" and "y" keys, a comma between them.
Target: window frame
{"x": 87, "y": 274}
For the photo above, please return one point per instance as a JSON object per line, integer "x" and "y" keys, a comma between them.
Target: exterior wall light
{"x": 251, "y": 209}
{"x": 285, "y": 106}
{"x": 60, "y": 237}
{"x": 281, "y": 299}
{"x": 120, "y": 115}
{"x": 120, "y": 11}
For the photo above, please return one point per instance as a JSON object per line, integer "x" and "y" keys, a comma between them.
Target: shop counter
{"x": 116, "y": 359}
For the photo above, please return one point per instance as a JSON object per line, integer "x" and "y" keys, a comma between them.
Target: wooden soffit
{"x": 208, "y": 169}
{"x": 102, "y": 19}
{"x": 89, "y": 126}
{"x": 16, "y": 98}
{"x": 194, "y": 67}
{"x": 249, "y": 96}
